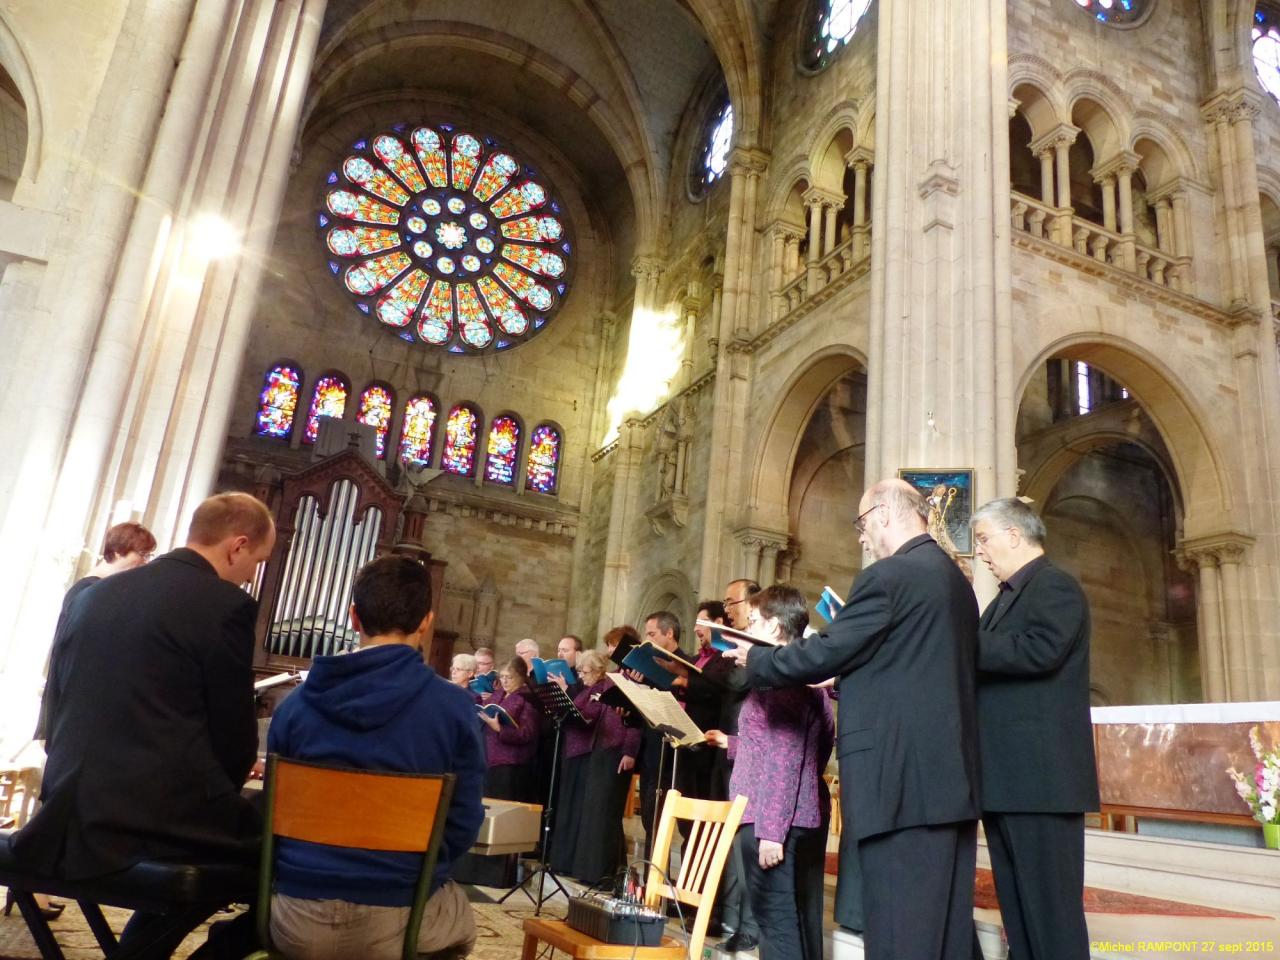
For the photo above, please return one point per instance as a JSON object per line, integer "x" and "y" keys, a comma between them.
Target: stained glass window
{"x": 544, "y": 459}
{"x": 375, "y": 411}
{"x": 328, "y": 400}
{"x": 417, "y": 431}
{"x": 835, "y": 22}
{"x": 460, "y": 442}
{"x": 1115, "y": 11}
{"x": 278, "y": 402}
{"x": 504, "y": 444}
{"x": 715, "y": 155}
{"x": 449, "y": 238}
{"x": 1266, "y": 49}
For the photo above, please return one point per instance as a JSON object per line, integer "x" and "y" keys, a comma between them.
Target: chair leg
{"x": 38, "y": 926}
{"x": 98, "y": 924}
{"x": 530, "y": 951}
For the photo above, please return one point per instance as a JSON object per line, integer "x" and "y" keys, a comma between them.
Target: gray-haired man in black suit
{"x": 1038, "y": 771}
{"x": 903, "y": 647}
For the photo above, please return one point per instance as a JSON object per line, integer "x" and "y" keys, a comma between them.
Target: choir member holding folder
{"x": 511, "y": 746}
{"x": 596, "y": 770}
{"x": 784, "y": 741}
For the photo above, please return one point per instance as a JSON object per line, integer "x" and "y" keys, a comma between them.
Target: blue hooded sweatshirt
{"x": 380, "y": 708}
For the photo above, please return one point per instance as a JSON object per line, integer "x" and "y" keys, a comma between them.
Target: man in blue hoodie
{"x": 380, "y": 708}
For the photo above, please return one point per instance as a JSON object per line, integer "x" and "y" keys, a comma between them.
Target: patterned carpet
{"x": 498, "y": 932}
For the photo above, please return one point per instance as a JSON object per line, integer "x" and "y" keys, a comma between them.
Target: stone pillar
{"x": 778, "y": 240}
{"x": 1273, "y": 270}
{"x": 749, "y": 548}
{"x": 793, "y": 255}
{"x": 1058, "y": 141}
{"x": 1046, "y": 175}
{"x": 615, "y": 587}
{"x": 1208, "y": 621}
{"x": 813, "y": 205}
{"x": 942, "y": 207}
{"x": 1234, "y": 646}
{"x": 1108, "y": 185}
{"x": 169, "y": 321}
{"x": 1164, "y": 225}
{"x": 860, "y": 160}
{"x": 726, "y": 442}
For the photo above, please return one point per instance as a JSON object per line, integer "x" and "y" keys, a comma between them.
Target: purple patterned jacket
{"x": 605, "y": 729}
{"x": 518, "y": 744}
{"x": 783, "y": 743}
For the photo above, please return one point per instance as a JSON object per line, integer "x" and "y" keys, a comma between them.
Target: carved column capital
{"x": 1237, "y": 105}
{"x": 647, "y": 269}
{"x": 1118, "y": 164}
{"x": 859, "y": 157}
{"x": 748, "y": 161}
{"x": 785, "y": 230}
{"x": 1064, "y": 134}
{"x": 1213, "y": 550}
{"x": 817, "y": 197}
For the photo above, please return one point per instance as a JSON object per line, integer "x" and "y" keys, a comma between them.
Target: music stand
{"x": 559, "y": 708}
{"x": 663, "y": 713}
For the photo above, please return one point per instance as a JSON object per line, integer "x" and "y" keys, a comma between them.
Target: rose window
{"x": 447, "y": 238}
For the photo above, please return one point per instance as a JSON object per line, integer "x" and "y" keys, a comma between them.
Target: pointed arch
{"x": 278, "y": 401}
{"x": 546, "y": 453}
{"x": 328, "y": 399}
{"x": 502, "y": 449}
{"x": 374, "y": 410}
{"x": 462, "y": 437}
{"x": 417, "y": 430}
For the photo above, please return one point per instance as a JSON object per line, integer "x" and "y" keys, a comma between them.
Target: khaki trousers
{"x": 339, "y": 930}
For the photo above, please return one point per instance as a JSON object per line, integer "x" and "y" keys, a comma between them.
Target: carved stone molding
{"x": 647, "y": 269}
{"x": 1121, "y": 162}
{"x": 1214, "y": 550}
{"x": 941, "y": 179}
{"x": 817, "y": 197}
{"x": 1063, "y": 134}
{"x": 668, "y": 514}
{"x": 860, "y": 155}
{"x": 1238, "y": 105}
{"x": 748, "y": 161}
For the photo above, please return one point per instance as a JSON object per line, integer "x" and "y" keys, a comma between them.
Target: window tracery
{"x": 834, "y": 24}
{"x": 447, "y": 238}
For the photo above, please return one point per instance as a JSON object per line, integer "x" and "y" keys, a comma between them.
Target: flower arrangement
{"x": 1262, "y": 790}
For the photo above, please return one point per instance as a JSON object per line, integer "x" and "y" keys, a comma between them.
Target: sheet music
{"x": 273, "y": 681}
{"x": 662, "y": 710}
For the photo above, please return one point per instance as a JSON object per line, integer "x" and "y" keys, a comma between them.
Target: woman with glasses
{"x": 598, "y": 757}
{"x": 512, "y": 746}
{"x": 463, "y": 669}
{"x": 780, "y": 751}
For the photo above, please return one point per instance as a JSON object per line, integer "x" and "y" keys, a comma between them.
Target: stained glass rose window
{"x": 446, "y": 237}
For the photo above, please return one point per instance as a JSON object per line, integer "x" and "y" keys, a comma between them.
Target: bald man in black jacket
{"x": 903, "y": 648}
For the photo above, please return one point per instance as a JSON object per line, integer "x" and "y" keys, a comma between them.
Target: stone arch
{"x": 1038, "y": 108}
{"x": 1100, "y": 122}
{"x": 669, "y": 590}
{"x": 1228, "y": 50}
{"x": 785, "y": 203}
{"x": 1197, "y": 465}
{"x": 359, "y": 50}
{"x": 865, "y": 129}
{"x": 14, "y": 62}
{"x": 1180, "y": 157}
{"x": 775, "y": 453}
{"x": 837, "y": 135}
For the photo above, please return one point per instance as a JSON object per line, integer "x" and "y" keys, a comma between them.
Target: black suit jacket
{"x": 1033, "y": 698}
{"x": 154, "y": 731}
{"x": 904, "y": 648}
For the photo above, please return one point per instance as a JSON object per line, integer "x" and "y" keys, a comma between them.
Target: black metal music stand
{"x": 559, "y": 708}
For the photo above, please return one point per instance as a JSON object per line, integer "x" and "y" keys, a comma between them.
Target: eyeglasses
{"x": 732, "y": 603}
{"x": 861, "y": 523}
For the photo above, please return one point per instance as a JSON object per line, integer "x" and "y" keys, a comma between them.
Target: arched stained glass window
{"x": 460, "y": 441}
{"x": 715, "y": 154}
{"x": 1266, "y": 48}
{"x": 544, "y": 459}
{"x": 504, "y": 444}
{"x": 1115, "y": 12}
{"x": 417, "y": 430}
{"x": 375, "y": 411}
{"x": 278, "y": 402}
{"x": 447, "y": 237}
{"x": 834, "y": 24}
{"x": 328, "y": 400}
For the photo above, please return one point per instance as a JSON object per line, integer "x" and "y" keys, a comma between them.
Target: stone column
{"x": 942, "y": 205}
{"x": 1273, "y": 270}
{"x": 830, "y": 237}
{"x": 1046, "y": 158}
{"x": 793, "y": 255}
{"x": 860, "y": 159}
{"x": 813, "y": 205}
{"x": 1058, "y": 141}
{"x": 778, "y": 240}
{"x": 749, "y": 549}
{"x": 1234, "y": 646}
{"x": 615, "y": 587}
{"x": 1108, "y": 184}
{"x": 1208, "y": 620}
{"x": 726, "y": 442}
{"x": 1164, "y": 225}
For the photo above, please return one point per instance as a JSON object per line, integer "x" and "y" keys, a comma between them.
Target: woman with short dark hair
{"x": 780, "y": 751}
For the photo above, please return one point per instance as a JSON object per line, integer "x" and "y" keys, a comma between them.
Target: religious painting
{"x": 950, "y": 496}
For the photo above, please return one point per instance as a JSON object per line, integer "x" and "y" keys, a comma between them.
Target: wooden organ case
{"x": 332, "y": 518}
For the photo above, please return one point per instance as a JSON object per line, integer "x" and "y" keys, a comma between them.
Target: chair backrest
{"x": 355, "y": 809}
{"x": 713, "y": 825}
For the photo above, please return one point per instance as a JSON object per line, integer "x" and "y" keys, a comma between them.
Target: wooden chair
{"x": 357, "y": 809}
{"x": 714, "y": 823}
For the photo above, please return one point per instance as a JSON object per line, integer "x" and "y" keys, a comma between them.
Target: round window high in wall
{"x": 1116, "y": 13}
{"x": 446, "y": 237}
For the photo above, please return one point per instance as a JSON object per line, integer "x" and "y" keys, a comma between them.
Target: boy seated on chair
{"x": 379, "y": 708}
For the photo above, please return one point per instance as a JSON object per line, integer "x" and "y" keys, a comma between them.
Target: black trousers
{"x": 1038, "y": 863}
{"x": 848, "y": 910}
{"x": 917, "y": 890}
{"x": 787, "y": 899}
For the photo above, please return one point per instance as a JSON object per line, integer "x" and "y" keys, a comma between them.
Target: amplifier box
{"x": 616, "y": 921}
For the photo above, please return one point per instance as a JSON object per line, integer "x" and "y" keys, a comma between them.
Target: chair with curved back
{"x": 398, "y": 812}
{"x": 713, "y": 824}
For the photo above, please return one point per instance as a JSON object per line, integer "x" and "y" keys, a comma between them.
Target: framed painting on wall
{"x": 950, "y": 496}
